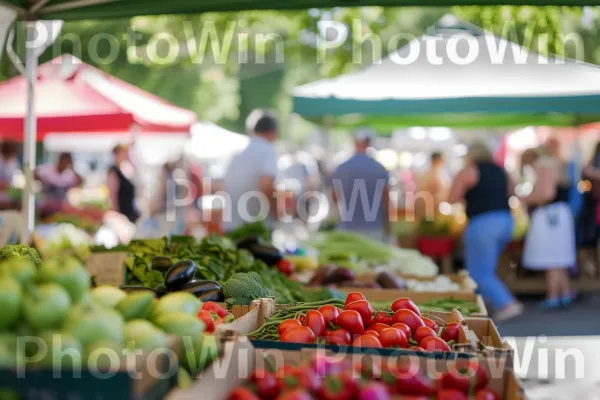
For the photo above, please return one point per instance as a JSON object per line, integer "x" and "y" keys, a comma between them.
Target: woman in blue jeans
{"x": 486, "y": 188}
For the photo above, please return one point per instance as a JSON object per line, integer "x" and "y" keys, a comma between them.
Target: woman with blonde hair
{"x": 550, "y": 242}
{"x": 486, "y": 188}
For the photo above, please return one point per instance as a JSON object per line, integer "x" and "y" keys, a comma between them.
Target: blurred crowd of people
{"x": 359, "y": 192}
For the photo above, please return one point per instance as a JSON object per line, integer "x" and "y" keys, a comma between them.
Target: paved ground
{"x": 582, "y": 319}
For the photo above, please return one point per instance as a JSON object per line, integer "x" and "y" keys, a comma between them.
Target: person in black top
{"x": 486, "y": 188}
{"x": 121, "y": 184}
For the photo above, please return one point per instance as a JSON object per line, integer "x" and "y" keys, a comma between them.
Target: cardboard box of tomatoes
{"x": 249, "y": 372}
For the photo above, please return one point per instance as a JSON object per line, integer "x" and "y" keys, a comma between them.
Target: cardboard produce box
{"x": 108, "y": 268}
{"x": 241, "y": 358}
{"x": 148, "y": 376}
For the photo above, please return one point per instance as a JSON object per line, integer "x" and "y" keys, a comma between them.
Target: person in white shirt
{"x": 250, "y": 176}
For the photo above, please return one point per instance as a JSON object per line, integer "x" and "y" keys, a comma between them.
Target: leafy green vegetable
{"x": 258, "y": 229}
{"x": 16, "y": 251}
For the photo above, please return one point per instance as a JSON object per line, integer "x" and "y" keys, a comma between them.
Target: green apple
{"x": 21, "y": 269}
{"x": 67, "y": 272}
{"x": 103, "y": 354}
{"x": 91, "y": 323}
{"x": 45, "y": 306}
{"x": 141, "y": 334}
{"x": 200, "y": 353}
{"x": 10, "y": 302}
{"x": 63, "y": 350}
{"x": 180, "y": 324}
{"x": 176, "y": 302}
{"x": 108, "y": 296}
{"x": 10, "y": 354}
{"x": 136, "y": 305}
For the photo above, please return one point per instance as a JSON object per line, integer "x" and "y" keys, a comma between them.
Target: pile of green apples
{"x": 50, "y": 310}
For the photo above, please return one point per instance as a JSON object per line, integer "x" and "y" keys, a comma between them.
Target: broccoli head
{"x": 16, "y": 251}
{"x": 242, "y": 288}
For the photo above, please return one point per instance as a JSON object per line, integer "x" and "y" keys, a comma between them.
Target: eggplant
{"x": 247, "y": 242}
{"x": 161, "y": 290}
{"x": 199, "y": 287}
{"x": 212, "y": 295}
{"x": 137, "y": 288}
{"x": 180, "y": 274}
{"x": 320, "y": 274}
{"x": 361, "y": 285}
{"x": 267, "y": 253}
{"x": 388, "y": 280}
{"x": 338, "y": 275}
{"x": 161, "y": 264}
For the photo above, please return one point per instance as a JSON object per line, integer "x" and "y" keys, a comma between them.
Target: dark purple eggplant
{"x": 247, "y": 242}
{"x": 137, "y": 288}
{"x": 388, "y": 280}
{"x": 180, "y": 274}
{"x": 338, "y": 275}
{"x": 267, "y": 253}
{"x": 212, "y": 295}
{"x": 320, "y": 274}
{"x": 161, "y": 290}
{"x": 161, "y": 264}
{"x": 199, "y": 287}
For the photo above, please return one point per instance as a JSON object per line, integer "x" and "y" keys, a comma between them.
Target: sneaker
{"x": 509, "y": 312}
{"x": 550, "y": 304}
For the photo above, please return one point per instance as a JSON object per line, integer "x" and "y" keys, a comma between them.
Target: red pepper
{"x": 354, "y": 296}
{"x": 316, "y": 322}
{"x": 465, "y": 376}
{"x": 242, "y": 393}
{"x": 301, "y": 378}
{"x": 451, "y": 394}
{"x": 487, "y": 394}
{"x": 207, "y": 317}
{"x": 450, "y": 332}
{"x": 214, "y": 307}
{"x": 341, "y": 337}
{"x": 286, "y": 267}
{"x": 364, "y": 308}
{"x": 406, "y": 379}
{"x": 288, "y": 324}
{"x": 265, "y": 384}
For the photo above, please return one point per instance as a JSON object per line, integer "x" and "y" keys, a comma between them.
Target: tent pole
{"x": 30, "y": 130}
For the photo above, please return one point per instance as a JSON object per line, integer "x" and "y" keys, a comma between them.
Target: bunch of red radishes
{"x": 358, "y": 324}
{"x": 325, "y": 378}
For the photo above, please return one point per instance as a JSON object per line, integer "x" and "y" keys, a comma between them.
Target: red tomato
{"x": 368, "y": 368}
{"x": 450, "y": 332}
{"x": 392, "y": 337}
{"x": 388, "y": 321}
{"x": 465, "y": 375}
{"x": 408, "y": 317}
{"x": 366, "y": 341}
{"x": 405, "y": 303}
{"x": 373, "y": 391}
{"x": 206, "y": 317}
{"x": 354, "y": 296}
{"x": 341, "y": 337}
{"x": 316, "y": 322}
{"x": 351, "y": 321}
{"x": 323, "y": 365}
{"x": 406, "y": 379}
{"x": 301, "y": 378}
{"x": 288, "y": 324}
{"x": 380, "y": 317}
{"x": 214, "y": 307}
{"x": 284, "y": 371}
{"x": 364, "y": 308}
{"x": 403, "y": 327}
{"x": 336, "y": 388}
{"x": 487, "y": 394}
{"x": 301, "y": 334}
{"x": 434, "y": 343}
{"x": 265, "y": 384}
{"x": 430, "y": 324}
{"x": 451, "y": 394}
{"x": 377, "y": 327}
{"x": 329, "y": 312}
{"x": 296, "y": 394}
{"x": 422, "y": 332}
{"x": 286, "y": 267}
{"x": 242, "y": 393}
{"x": 371, "y": 333}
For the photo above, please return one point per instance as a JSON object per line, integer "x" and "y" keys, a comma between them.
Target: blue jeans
{"x": 486, "y": 236}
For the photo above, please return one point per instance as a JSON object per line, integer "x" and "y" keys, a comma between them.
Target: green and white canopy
{"x": 458, "y": 76}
